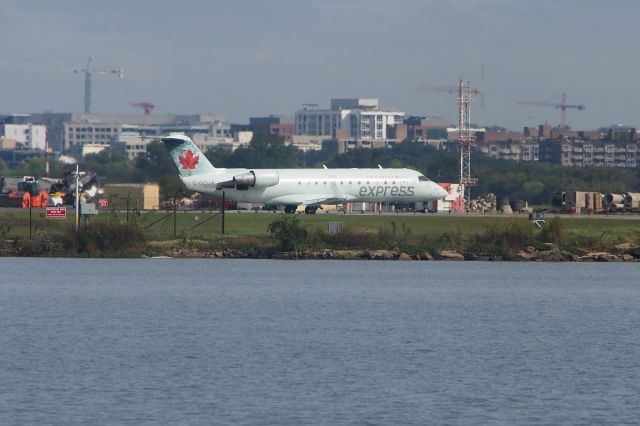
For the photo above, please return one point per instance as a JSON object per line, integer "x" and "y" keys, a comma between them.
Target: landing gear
{"x": 310, "y": 209}
{"x": 290, "y": 209}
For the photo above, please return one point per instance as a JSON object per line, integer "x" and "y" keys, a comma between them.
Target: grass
{"x": 14, "y": 223}
{"x": 487, "y": 237}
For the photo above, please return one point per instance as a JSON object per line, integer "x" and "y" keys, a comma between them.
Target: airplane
{"x": 295, "y": 187}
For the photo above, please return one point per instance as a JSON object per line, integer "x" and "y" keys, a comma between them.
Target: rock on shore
{"x": 623, "y": 253}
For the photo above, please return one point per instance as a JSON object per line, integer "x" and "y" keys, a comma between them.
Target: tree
{"x": 264, "y": 151}
{"x": 4, "y": 169}
{"x": 35, "y": 166}
{"x": 157, "y": 166}
{"x": 289, "y": 231}
{"x": 113, "y": 166}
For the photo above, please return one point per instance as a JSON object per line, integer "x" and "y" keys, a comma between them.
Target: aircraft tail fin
{"x": 186, "y": 156}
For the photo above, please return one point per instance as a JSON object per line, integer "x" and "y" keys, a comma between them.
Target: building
{"x": 420, "y": 129}
{"x": 361, "y": 119}
{"x": 230, "y": 142}
{"x": 514, "y": 150}
{"x": 27, "y": 136}
{"x": 134, "y": 144}
{"x": 581, "y": 153}
{"x": 107, "y": 130}
{"x": 307, "y": 143}
{"x": 280, "y": 125}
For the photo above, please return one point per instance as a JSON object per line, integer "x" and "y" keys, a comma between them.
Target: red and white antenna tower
{"x": 465, "y": 140}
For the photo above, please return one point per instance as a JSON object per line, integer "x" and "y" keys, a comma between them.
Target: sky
{"x": 242, "y": 58}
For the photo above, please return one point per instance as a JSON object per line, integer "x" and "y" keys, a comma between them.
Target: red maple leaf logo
{"x": 189, "y": 161}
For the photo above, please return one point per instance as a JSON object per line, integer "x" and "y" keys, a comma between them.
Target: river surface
{"x": 202, "y": 342}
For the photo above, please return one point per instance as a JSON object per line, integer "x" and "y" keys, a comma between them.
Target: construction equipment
{"x": 25, "y": 193}
{"x": 147, "y": 106}
{"x": 563, "y": 106}
{"x": 63, "y": 191}
{"x": 580, "y": 202}
{"x": 449, "y": 89}
{"x": 87, "y": 71}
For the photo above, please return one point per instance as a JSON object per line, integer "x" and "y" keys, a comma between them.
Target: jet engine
{"x": 258, "y": 179}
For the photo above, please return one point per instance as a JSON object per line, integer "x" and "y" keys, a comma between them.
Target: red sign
{"x": 56, "y": 212}
{"x": 103, "y": 203}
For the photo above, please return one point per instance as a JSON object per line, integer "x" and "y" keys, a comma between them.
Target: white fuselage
{"x": 303, "y": 186}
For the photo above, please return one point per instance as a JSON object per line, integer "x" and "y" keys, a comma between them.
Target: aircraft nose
{"x": 440, "y": 191}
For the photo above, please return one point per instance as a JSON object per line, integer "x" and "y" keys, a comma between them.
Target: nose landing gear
{"x": 310, "y": 209}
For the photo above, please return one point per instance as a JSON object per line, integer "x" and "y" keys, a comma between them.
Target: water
{"x": 299, "y": 342}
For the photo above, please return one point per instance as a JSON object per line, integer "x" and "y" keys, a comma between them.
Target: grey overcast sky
{"x": 242, "y": 58}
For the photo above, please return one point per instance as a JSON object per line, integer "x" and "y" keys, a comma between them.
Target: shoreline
{"x": 632, "y": 254}
{"x": 625, "y": 252}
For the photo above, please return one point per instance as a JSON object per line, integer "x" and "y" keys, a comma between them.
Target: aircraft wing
{"x": 308, "y": 199}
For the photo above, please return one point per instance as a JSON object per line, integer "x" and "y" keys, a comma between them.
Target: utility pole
{"x": 78, "y": 173}
{"x": 77, "y": 216}
{"x": 222, "y": 211}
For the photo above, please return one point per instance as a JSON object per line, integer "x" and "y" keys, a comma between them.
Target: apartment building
{"x": 514, "y": 150}
{"x": 361, "y": 119}
{"x": 27, "y": 136}
{"x": 600, "y": 153}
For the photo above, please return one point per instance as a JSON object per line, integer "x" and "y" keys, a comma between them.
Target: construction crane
{"x": 449, "y": 89}
{"x": 465, "y": 134}
{"x": 563, "y": 106}
{"x": 147, "y": 106}
{"x": 88, "y": 71}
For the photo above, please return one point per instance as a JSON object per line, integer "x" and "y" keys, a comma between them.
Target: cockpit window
{"x": 423, "y": 178}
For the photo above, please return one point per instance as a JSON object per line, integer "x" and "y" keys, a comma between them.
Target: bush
{"x": 553, "y": 231}
{"x": 348, "y": 238}
{"x": 106, "y": 237}
{"x": 289, "y": 232}
{"x": 515, "y": 234}
{"x": 450, "y": 239}
{"x": 41, "y": 245}
{"x": 394, "y": 234}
